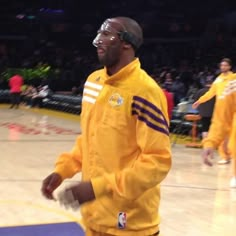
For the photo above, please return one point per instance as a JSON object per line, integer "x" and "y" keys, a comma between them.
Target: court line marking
{"x": 37, "y": 224}
{"x": 41, "y": 223}
{"x": 45, "y": 208}
{"x": 195, "y": 187}
{"x": 57, "y": 114}
{"x": 43, "y": 111}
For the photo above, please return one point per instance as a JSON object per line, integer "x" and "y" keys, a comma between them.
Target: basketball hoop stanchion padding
{"x": 194, "y": 119}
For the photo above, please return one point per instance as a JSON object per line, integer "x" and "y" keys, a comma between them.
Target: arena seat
{"x": 179, "y": 126}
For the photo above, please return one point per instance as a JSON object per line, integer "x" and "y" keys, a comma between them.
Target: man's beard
{"x": 108, "y": 59}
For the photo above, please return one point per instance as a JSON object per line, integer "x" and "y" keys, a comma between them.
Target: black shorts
{"x": 206, "y": 122}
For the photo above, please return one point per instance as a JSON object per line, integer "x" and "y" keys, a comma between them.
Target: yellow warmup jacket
{"x": 217, "y": 87}
{"x": 124, "y": 150}
{"x": 224, "y": 120}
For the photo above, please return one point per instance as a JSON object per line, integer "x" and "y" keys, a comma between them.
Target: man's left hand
{"x": 207, "y": 156}
{"x": 76, "y": 195}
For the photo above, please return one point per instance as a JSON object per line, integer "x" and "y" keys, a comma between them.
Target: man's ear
{"x": 127, "y": 45}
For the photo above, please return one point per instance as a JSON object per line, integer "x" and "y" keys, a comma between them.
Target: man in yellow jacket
{"x": 124, "y": 150}
{"x": 223, "y": 123}
{"x": 216, "y": 90}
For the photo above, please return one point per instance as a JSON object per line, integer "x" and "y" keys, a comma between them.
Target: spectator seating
{"x": 61, "y": 102}
{"x": 65, "y": 103}
{"x": 179, "y": 125}
{"x": 72, "y": 104}
{"x": 4, "y": 96}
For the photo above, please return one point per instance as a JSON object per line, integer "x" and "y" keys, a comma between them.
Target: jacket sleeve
{"x": 223, "y": 118}
{"x": 208, "y": 95}
{"x": 152, "y": 137}
{"x": 70, "y": 163}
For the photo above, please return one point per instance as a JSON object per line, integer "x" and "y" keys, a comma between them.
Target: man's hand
{"x": 207, "y": 156}
{"x": 195, "y": 105}
{"x": 225, "y": 147}
{"x": 50, "y": 184}
{"x": 76, "y": 195}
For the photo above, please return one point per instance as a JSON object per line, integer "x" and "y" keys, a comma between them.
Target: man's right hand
{"x": 195, "y": 105}
{"x": 52, "y": 182}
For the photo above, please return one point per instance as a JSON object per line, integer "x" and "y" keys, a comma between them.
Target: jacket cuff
{"x": 208, "y": 144}
{"x": 62, "y": 172}
{"x": 100, "y": 186}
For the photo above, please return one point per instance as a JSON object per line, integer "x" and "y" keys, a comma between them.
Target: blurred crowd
{"x": 179, "y": 68}
{"x": 32, "y": 96}
{"x": 184, "y": 83}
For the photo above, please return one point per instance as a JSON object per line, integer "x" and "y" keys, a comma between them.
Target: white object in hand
{"x": 66, "y": 199}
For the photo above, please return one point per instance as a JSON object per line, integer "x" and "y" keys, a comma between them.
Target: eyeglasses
{"x": 106, "y": 34}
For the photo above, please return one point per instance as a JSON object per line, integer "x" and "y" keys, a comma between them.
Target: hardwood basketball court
{"x": 196, "y": 200}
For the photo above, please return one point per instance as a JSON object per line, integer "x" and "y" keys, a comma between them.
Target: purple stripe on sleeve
{"x": 150, "y": 114}
{"x": 151, "y": 105}
{"x": 150, "y": 124}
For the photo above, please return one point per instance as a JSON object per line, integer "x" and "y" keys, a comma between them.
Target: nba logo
{"x": 122, "y": 220}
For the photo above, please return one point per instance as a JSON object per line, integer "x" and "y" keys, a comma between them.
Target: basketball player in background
{"x": 124, "y": 150}
{"x": 216, "y": 89}
{"x": 223, "y": 123}
{"x": 205, "y": 109}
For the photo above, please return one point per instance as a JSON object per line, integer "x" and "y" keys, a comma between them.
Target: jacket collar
{"x": 122, "y": 74}
{"x": 226, "y": 77}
